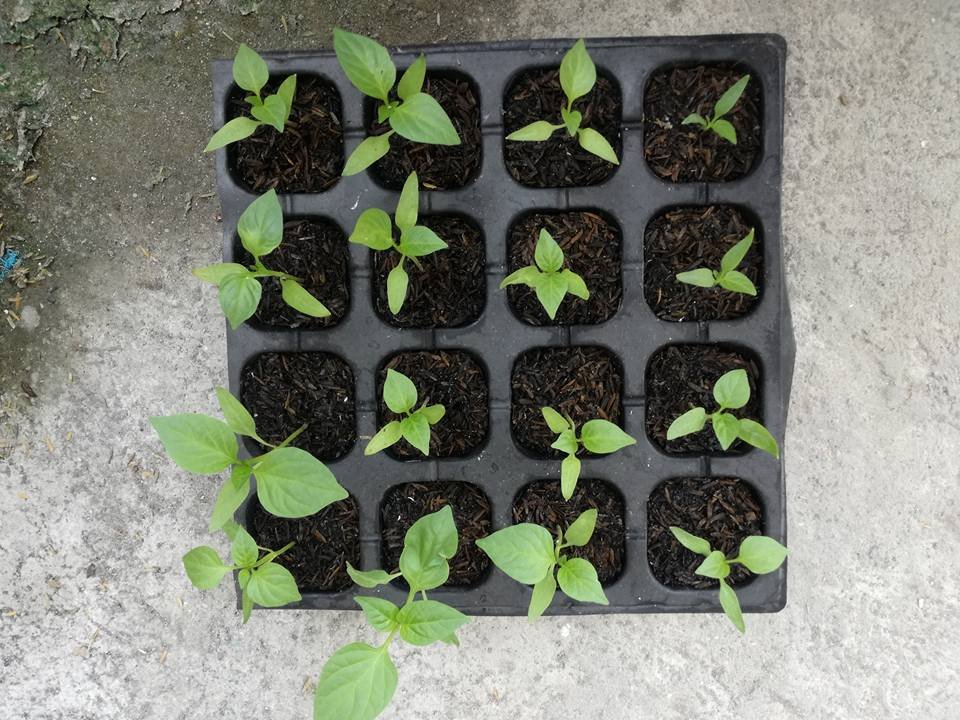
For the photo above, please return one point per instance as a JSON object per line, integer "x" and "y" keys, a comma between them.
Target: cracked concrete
{"x": 96, "y": 617}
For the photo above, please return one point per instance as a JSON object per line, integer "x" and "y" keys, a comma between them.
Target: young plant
{"x": 375, "y": 230}
{"x": 400, "y": 395}
{"x": 529, "y": 554}
{"x": 758, "y": 554}
{"x": 722, "y": 127}
{"x": 358, "y": 680}
{"x": 578, "y": 75}
{"x": 261, "y": 231}
{"x": 731, "y": 391}
{"x": 727, "y": 277}
{"x": 291, "y": 483}
{"x": 262, "y": 581}
{"x": 251, "y": 74}
{"x": 414, "y": 115}
{"x": 548, "y": 280}
{"x": 597, "y": 436}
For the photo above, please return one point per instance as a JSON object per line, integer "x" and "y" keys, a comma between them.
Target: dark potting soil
{"x": 403, "y": 505}
{"x": 315, "y": 252}
{"x": 559, "y": 161}
{"x": 324, "y": 543}
{"x": 583, "y": 382}
{"x": 449, "y": 290}
{"x": 286, "y": 390}
{"x": 685, "y": 153}
{"x": 697, "y": 237}
{"x": 721, "y": 510}
{"x": 306, "y": 157}
{"x": 541, "y": 503}
{"x": 591, "y": 248}
{"x": 681, "y": 377}
{"x": 438, "y": 167}
{"x": 452, "y": 378}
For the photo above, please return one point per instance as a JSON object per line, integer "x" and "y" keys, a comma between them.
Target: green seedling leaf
{"x": 577, "y": 72}
{"x": 736, "y": 281}
{"x": 239, "y": 296}
{"x": 297, "y": 297}
{"x": 556, "y": 422}
{"x": 430, "y": 542}
{"x": 397, "y": 282}
{"x": 244, "y": 550}
{"x": 691, "y": 542}
{"x": 407, "y": 206}
{"x": 367, "y": 153}
{"x": 534, "y": 132}
{"x": 287, "y": 92}
{"x": 566, "y": 442}
{"x": 370, "y": 578}
{"x": 380, "y": 613}
{"x": 569, "y": 474}
{"x": 694, "y": 119}
{"x": 525, "y": 552}
{"x": 216, "y": 274}
{"x": 291, "y": 483}
{"x": 528, "y": 276}
{"x": 603, "y": 437}
{"x": 411, "y": 82}
{"x": 250, "y": 71}
{"x": 356, "y": 683}
{"x": 732, "y": 390}
{"x": 272, "y": 585}
{"x": 427, "y": 621}
{"x": 714, "y": 566}
{"x": 366, "y": 64}
{"x": 725, "y": 427}
{"x": 399, "y": 392}
{"x": 575, "y": 284}
{"x": 596, "y": 144}
{"x": 231, "y": 496}
{"x": 204, "y": 567}
{"x": 734, "y": 256}
{"x": 730, "y": 97}
{"x": 260, "y": 227}
{"x": 416, "y": 431}
{"x": 236, "y": 415}
{"x": 231, "y": 132}
{"x": 373, "y": 229}
{"x": 550, "y": 290}
{"x": 690, "y": 422}
{"x": 433, "y": 413}
{"x": 419, "y": 241}
{"x": 388, "y": 435}
{"x": 547, "y": 253}
{"x": 760, "y": 554}
{"x": 421, "y": 119}
{"x": 272, "y": 112}
{"x": 701, "y": 277}
{"x": 197, "y": 443}
{"x": 543, "y": 593}
{"x": 731, "y": 606}
{"x": 578, "y": 580}
{"x": 571, "y": 120}
{"x": 753, "y": 433}
{"x": 724, "y": 129}
{"x": 581, "y": 529}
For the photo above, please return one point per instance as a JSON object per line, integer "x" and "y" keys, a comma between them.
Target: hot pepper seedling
{"x": 578, "y": 75}
{"x": 758, "y": 554}
{"x": 400, "y": 395}
{"x": 722, "y": 127}
{"x": 261, "y": 231}
{"x": 358, "y": 680}
{"x": 727, "y": 277}
{"x": 548, "y": 280}
{"x": 415, "y": 115}
{"x": 529, "y": 554}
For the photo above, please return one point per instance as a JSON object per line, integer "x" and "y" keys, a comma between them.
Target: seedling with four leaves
{"x": 548, "y": 278}
{"x": 400, "y": 395}
{"x": 728, "y": 277}
{"x": 720, "y": 125}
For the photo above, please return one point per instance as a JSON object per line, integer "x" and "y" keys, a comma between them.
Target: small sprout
{"x": 598, "y": 436}
{"x": 261, "y": 231}
{"x": 758, "y": 554}
{"x": 548, "y": 280}
{"x": 250, "y": 73}
{"x": 727, "y": 277}
{"x": 359, "y": 680}
{"x": 400, "y": 395}
{"x": 528, "y": 554}
{"x": 731, "y": 391}
{"x": 415, "y": 115}
{"x": 375, "y": 230}
{"x": 577, "y": 77}
{"x": 262, "y": 581}
{"x": 722, "y": 127}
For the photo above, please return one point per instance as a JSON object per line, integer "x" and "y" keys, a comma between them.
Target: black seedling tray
{"x": 632, "y": 196}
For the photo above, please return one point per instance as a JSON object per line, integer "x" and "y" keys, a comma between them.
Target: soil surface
{"x": 315, "y": 252}
{"x": 451, "y": 378}
{"x": 722, "y": 511}
{"x": 403, "y": 505}
{"x": 439, "y": 167}
{"x": 583, "y": 382}
{"x": 591, "y": 248}
{"x": 306, "y": 157}
{"x": 541, "y": 503}
{"x": 325, "y": 542}
{"x": 559, "y": 161}
{"x": 697, "y": 237}
{"x": 284, "y": 391}
{"x": 450, "y": 290}
{"x": 686, "y": 153}
{"x": 681, "y": 377}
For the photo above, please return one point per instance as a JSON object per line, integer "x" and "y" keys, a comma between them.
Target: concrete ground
{"x": 96, "y": 617}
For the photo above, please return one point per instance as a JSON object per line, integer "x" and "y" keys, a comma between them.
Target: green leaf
{"x": 367, "y": 153}
{"x": 261, "y": 225}
{"x": 217, "y": 273}
{"x": 761, "y": 554}
{"x": 239, "y": 296}
{"x": 272, "y": 112}
{"x": 729, "y": 98}
{"x": 571, "y": 119}
{"x": 231, "y": 496}
{"x": 524, "y": 552}
{"x": 569, "y": 474}
{"x": 528, "y": 275}
{"x": 399, "y": 392}
{"x": 421, "y": 119}
{"x": 366, "y": 63}
{"x": 578, "y": 580}
{"x": 292, "y": 483}
{"x": 407, "y": 206}
{"x": 397, "y": 282}
{"x": 694, "y": 119}
{"x": 543, "y": 593}
{"x": 753, "y": 433}
{"x": 581, "y": 529}
{"x": 731, "y": 606}
{"x": 381, "y": 613}
{"x": 426, "y": 621}
{"x": 250, "y": 71}
{"x": 272, "y": 585}
{"x": 235, "y": 414}
{"x": 724, "y": 129}
{"x": 734, "y": 256}
{"x": 725, "y": 427}
{"x": 701, "y": 277}
{"x": 419, "y": 241}
{"x": 547, "y": 253}
{"x": 577, "y": 72}
{"x": 732, "y": 390}
{"x": 735, "y": 281}
{"x": 602, "y": 436}
{"x": 690, "y": 422}
{"x": 388, "y": 435}
{"x": 356, "y": 683}
{"x": 595, "y": 143}
{"x": 204, "y": 567}
{"x": 297, "y": 297}
{"x": 429, "y": 543}
{"x": 232, "y": 131}
{"x": 433, "y": 413}
{"x": 534, "y": 132}
{"x": 411, "y": 82}
{"x": 244, "y": 550}
{"x": 575, "y": 284}
{"x": 550, "y": 291}
{"x": 230, "y": 529}
{"x": 556, "y": 422}
{"x": 714, "y": 566}
{"x": 691, "y": 542}
{"x": 197, "y": 443}
{"x": 245, "y": 600}
{"x": 287, "y": 92}
{"x": 416, "y": 431}
{"x": 373, "y": 230}
{"x": 567, "y": 441}
{"x": 370, "y": 578}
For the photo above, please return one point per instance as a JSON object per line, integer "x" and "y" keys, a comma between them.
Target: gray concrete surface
{"x": 96, "y": 617}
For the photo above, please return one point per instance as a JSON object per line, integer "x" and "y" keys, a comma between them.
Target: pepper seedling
{"x": 250, "y": 72}
{"x": 721, "y": 126}
{"x": 374, "y": 229}
{"x": 260, "y": 228}
{"x": 291, "y": 483}
{"x": 728, "y": 277}
{"x": 414, "y": 115}
{"x": 359, "y": 680}
{"x": 598, "y": 436}
{"x": 262, "y": 581}
{"x": 731, "y": 391}
{"x": 578, "y": 75}
{"x": 528, "y": 554}
{"x": 548, "y": 278}
{"x": 400, "y": 395}
{"x": 758, "y": 554}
